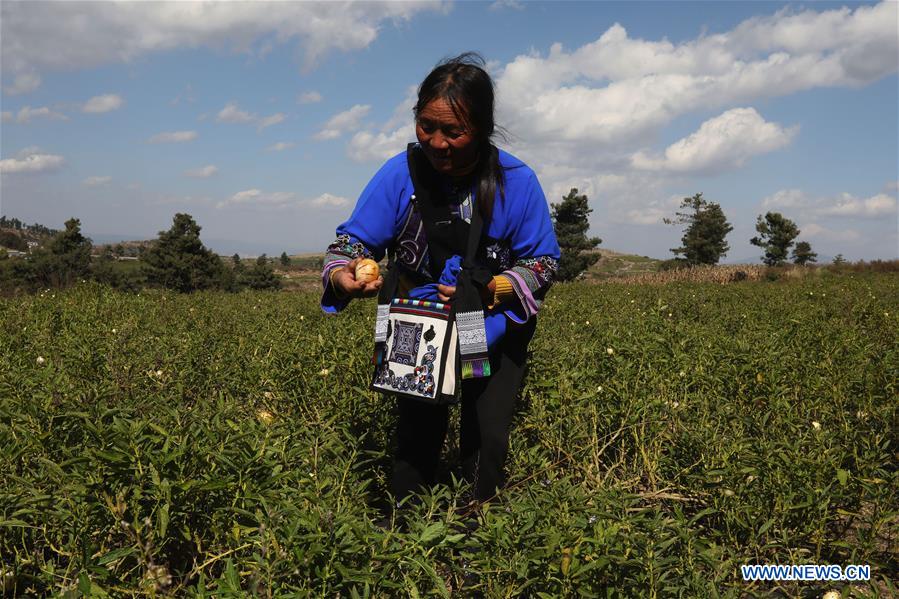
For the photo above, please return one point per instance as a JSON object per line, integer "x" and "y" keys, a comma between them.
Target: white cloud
{"x": 501, "y": 4}
{"x": 816, "y": 231}
{"x": 281, "y": 146}
{"x": 258, "y": 198}
{"x": 96, "y": 181}
{"x": 232, "y": 114}
{"x": 173, "y": 137}
{"x": 786, "y": 198}
{"x": 721, "y": 143}
{"x": 850, "y": 206}
{"x": 202, "y": 172}
{"x": 618, "y": 90}
{"x": 87, "y": 34}
{"x": 271, "y": 120}
{"x": 26, "y": 113}
{"x": 31, "y": 160}
{"x": 187, "y": 96}
{"x": 391, "y": 138}
{"x": 343, "y": 122}
{"x": 281, "y": 200}
{"x": 105, "y": 103}
{"x": 327, "y": 200}
{"x": 24, "y": 83}
{"x": 310, "y": 97}
{"x": 367, "y": 146}
{"x": 844, "y": 205}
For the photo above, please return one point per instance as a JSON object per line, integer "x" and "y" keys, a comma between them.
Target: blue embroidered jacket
{"x": 521, "y": 244}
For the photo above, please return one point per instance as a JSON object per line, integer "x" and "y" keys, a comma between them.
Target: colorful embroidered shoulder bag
{"x": 424, "y": 348}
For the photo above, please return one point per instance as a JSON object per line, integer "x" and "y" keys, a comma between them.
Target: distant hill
{"x": 617, "y": 264}
{"x": 19, "y": 236}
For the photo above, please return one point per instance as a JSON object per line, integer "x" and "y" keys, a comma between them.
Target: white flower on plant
{"x": 599, "y": 389}
{"x": 816, "y": 425}
{"x": 610, "y": 351}
{"x": 158, "y": 373}
{"x": 682, "y": 374}
{"x": 40, "y": 361}
{"x": 587, "y": 323}
{"x": 113, "y": 331}
{"x": 324, "y": 372}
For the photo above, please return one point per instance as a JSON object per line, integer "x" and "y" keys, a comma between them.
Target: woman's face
{"x": 449, "y": 143}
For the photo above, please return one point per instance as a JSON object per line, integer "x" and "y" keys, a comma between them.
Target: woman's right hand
{"x": 346, "y": 285}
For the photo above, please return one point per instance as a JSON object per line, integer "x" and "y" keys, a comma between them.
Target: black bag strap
{"x": 425, "y": 197}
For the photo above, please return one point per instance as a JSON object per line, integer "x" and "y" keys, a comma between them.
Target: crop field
{"x": 222, "y": 445}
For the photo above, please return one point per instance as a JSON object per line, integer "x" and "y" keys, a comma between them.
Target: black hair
{"x": 465, "y": 85}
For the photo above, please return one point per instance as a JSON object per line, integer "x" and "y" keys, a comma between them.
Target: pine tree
{"x": 570, "y": 220}
{"x": 70, "y": 254}
{"x": 179, "y": 261}
{"x": 803, "y": 254}
{"x": 776, "y": 235}
{"x": 285, "y": 259}
{"x": 703, "y": 240}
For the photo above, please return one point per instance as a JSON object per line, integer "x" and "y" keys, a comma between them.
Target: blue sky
{"x": 265, "y": 120}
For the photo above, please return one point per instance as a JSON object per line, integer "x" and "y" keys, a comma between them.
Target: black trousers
{"x": 487, "y": 408}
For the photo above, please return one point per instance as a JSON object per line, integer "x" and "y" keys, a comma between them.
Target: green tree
{"x": 570, "y": 220}
{"x": 261, "y": 275}
{"x": 703, "y": 240}
{"x": 285, "y": 259}
{"x": 803, "y": 254}
{"x": 178, "y": 260}
{"x": 776, "y": 235}
{"x": 65, "y": 260}
{"x": 70, "y": 255}
{"x": 839, "y": 260}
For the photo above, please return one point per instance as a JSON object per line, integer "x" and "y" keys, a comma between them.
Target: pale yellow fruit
{"x": 264, "y": 416}
{"x": 367, "y": 270}
{"x": 831, "y": 595}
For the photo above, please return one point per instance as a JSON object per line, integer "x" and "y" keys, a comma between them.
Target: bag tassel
{"x": 475, "y": 368}
{"x": 473, "y": 344}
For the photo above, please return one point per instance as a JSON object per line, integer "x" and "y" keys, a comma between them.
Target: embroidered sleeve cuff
{"x": 331, "y": 302}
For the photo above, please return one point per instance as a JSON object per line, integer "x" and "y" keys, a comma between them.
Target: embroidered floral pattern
{"x": 419, "y": 381}
{"x": 344, "y": 247}
{"x": 543, "y": 269}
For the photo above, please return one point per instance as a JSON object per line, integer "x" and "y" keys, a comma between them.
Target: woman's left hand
{"x": 446, "y": 293}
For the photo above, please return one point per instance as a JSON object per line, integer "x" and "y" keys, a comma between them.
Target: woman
{"x": 454, "y": 124}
